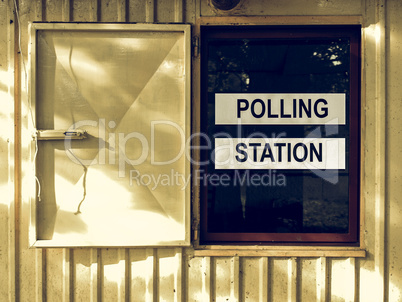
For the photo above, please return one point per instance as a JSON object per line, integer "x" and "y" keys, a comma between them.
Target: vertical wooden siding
{"x": 170, "y": 274}
{"x": 7, "y": 205}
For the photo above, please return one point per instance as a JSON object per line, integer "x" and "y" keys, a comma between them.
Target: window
{"x": 280, "y": 113}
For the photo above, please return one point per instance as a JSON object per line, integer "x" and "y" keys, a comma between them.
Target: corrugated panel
{"x": 199, "y": 277}
{"x": 57, "y": 264}
{"x": 342, "y": 282}
{"x": 255, "y": 273}
{"x": 168, "y": 274}
{"x": 85, "y": 271}
{"x": 30, "y": 264}
{"x": 394, "y": 152}
{"x": 142, "y": 274}
{"x": 113, "y": 274}
{"x": 7, "y": 225}
{"x": 165, "y": 275}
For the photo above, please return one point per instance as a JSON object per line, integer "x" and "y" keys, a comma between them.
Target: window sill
{"x": 278, "y": 251}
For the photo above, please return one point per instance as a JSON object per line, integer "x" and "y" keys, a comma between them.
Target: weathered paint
{"x": 393, "y": 207}
{"x": 174, "y": 274}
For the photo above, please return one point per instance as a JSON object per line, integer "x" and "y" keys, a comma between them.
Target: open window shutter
{"x": 112, "y": 108}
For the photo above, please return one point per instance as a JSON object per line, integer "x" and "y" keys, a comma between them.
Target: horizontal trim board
{"x": 280, "y": 253}
{"x": 281, "y": 20}
{"x": 98, "y": 26}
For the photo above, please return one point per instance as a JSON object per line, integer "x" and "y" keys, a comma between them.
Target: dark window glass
{"x": 280, "y": 205}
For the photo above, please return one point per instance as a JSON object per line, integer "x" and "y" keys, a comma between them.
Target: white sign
{"x": 280, "y": 153}
{"x": 274, "y": 109}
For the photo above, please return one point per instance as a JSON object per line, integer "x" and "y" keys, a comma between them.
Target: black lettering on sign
{"x": 302, "y": 106}
{"x": 244, "y": 153}
{"x": 283, "y": 110}
{"x": 255, "y": 145}
{"x": 267, "y": 152}
{"x": 318, "y": 153}
{"x": 270, "y": 115}
{"x": 299, "y": 152}
{"x": 294, "y": 107}
{"x": 240, "y": 107}
{"x": 324, "y": 110}
{"x": 279, "y": 145}
{"x": 305, "y": 152}
{"x": 253, "y": 108}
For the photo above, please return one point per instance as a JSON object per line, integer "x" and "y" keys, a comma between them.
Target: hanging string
{"x": 34, "y": 160}
{"x": 26, "y": 89}
{"x": 84, "y": 183}
{"x": 20, "y": 50}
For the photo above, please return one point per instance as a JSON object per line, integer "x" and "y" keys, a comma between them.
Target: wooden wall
{"x": 175, "y": 274}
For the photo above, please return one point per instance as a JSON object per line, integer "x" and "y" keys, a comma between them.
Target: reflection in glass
{"x": 284, "y": 201}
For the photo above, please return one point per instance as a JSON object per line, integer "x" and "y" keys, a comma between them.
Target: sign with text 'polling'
{"x": 280, "y": 153}
{"x": 274, "y": 109}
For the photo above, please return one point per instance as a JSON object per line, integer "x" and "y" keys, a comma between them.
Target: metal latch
{"x": 45, "y": 135}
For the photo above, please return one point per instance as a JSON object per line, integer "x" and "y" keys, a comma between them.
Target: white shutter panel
{"x": 126, "y": 183}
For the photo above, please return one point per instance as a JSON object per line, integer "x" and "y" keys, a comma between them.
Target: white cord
{"x": 34, "y": 160}
{"x": 26, "y": 89}
{"x": 19, "y": 41}
{"x": 23, "y": 62}
{"x": 84, "y": 181}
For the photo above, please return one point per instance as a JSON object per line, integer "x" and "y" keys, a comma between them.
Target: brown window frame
{"x": 352, "y": 238}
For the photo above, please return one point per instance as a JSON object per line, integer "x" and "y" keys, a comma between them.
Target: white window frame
{"x": 34, "y": 28}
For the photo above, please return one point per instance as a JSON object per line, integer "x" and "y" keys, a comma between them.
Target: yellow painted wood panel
{"x": 54, "y": 10}
{"x": 169, "y": 274}
{"x": 113, "y": 270}
{"x": 226, "y": 278}
{"x": 309, "y": 277}
{"x": 342, "y": 278}
{"x": 165, "y": 274}
{"x": 137, "y": 10}
{"x": 254, "y": 279}
{"x": 85, "y": 11}
{"x": 169, "y": 10}
{"x": 198, "y": 279}
{"x": 394, "y": 147}
{"x": 113, "y": 11}
{"x": 85, "y": 273}
{"x": 58, "y": 274}
{"x": 279, "y": 279}
{"x": 7, "y": 222}
{"x": 30, "y": 263}
{"x": 142, "y": 274}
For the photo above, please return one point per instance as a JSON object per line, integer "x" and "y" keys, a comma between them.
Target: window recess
{"x": 280, "y": 110}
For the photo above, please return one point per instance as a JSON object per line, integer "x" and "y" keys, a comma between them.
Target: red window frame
{"x": 353, "y": 32}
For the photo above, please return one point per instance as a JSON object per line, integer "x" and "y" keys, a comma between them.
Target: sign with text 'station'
{"x": 280, "y": 153}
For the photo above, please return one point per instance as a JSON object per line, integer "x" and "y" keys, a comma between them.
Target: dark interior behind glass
{"x": 264, "y": 61}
